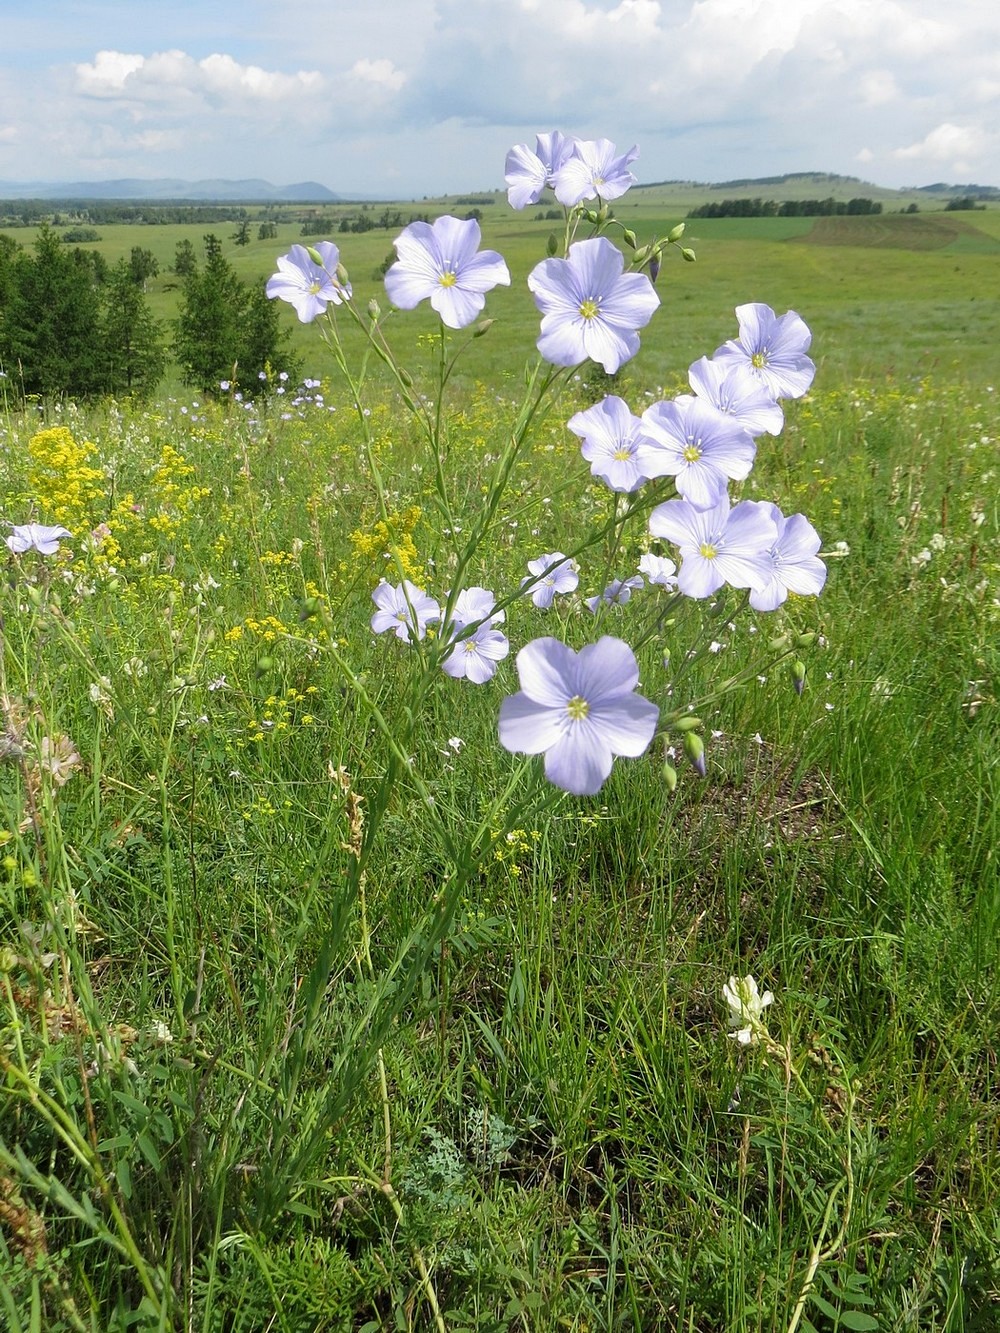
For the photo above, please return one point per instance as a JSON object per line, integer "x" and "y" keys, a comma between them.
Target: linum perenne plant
{"x": 670, "y": 472}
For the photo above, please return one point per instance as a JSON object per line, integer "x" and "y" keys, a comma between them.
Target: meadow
{"x": 319, "y": 1010}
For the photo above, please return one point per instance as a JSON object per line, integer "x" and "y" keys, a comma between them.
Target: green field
{"x": 889, "y": 297}
{"x": 322, "y": 1012}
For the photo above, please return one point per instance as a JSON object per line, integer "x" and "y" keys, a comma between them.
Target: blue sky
{"x": 401, "y": 98}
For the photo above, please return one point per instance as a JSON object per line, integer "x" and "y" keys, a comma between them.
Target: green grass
{"x": 465, "y": 1042}
{"x": 896, "y": 296}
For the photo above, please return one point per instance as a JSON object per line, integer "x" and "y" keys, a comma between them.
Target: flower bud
{"x": 628, "y": 236}
{"x": 799, "y": 676}
{"x": 482, "y": 327}
{"x": 643, "y": 253}
{"x": 688, "y": 723}
{"x": 694, "y": 748}
{"x": 670, "y": 777}
{"x": 688, "y": 255}
{"x": 654, "y": 267}
{"x": 779, "y": 644}
{"x": 315, "y": 256}
{"x": 675, "y": 233}
{"x": 374, "y": 309}
{"x": 308, "y": 607}
{"x": 342, "y": 276}
{"x": 805, "y": 640}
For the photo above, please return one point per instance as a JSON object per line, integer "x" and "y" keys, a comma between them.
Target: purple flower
{"x": 700, "y": 447}
{"x": 717, "y": 545}
{"x": 406, "y": 609}
{"x": 555, "y": 573}
{"x": 794, "y": 564}
{"x": 35, "y": 537}
{"x": 617, "y": 593}
{"x": 611, "y": 437}
{"x": 476, "y": 655}
{"x": 594, "y": 168}
{"x": 440, "y": 261}
{"x": 578, "y": 709}
{"x": 659, "y": 569}
{"x": 771, "y": 350}
{"x": 746, "y": 400}
{"x": 590, "y": 307}
{"x": 528, "y": 173}
{"x": 478, "y": 645}
{"x": 475, "y": 604}
{"x": 306, "y": 285}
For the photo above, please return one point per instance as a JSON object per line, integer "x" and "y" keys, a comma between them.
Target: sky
{"x": 406, "y": 98}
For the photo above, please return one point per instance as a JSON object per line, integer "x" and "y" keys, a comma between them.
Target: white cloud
{"x": 381, "y": 72}
{"x": 947, "y": 143}
{"x": 877, "y": 87}
{"x": 116, "y": 74}
{"x": 427, "y": 95}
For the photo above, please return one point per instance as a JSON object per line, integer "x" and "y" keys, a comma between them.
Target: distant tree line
{"x": 965, "y": 203}
{"x": 788, "y": 208}
{"x": 55, "y": 212}
{"x": 73, "y": 326}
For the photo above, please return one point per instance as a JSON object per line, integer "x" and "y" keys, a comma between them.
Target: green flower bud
{"x": 642, "y": 254}
{"x": 309, "y": 607}
{"x": 315, "y": 256}
{"x": 374, "y": 309}
{"x": 689, "y": 723}
{"x": 482, "y": 327}
{"x": 670, "y": 777}
{"x": 779, "y": 644}
{"x": 799, "y": 676}
{"x": 688, "y": 255}
{"x": 694, "y": 748}
{"x": 264, "y": 665}
{"x": 805, "y": 640}
{"x": 628, "y": 236}
{"x": 342, "y": 277}
{"x": 675, "y": 233}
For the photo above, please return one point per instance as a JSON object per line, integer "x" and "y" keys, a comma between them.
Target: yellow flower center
{"x": 622, "y": 453}
{"x": 692, "y": 453}
{"x": 314, "y": 287}
{"x": 577, "y": 708}
{"x": 707, "y": 550}
{"x": 589, "y": 309}
{"x": 758, "y": 360}
{"x": 447, "y": 279}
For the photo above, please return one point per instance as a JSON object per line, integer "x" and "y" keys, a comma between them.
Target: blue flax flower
{"x": 617, "y": 593}
{"x": 771, "y": 349}
{"x": 527, "y": 173}
{"x": 611, "y": 437}
{"x": 479, "y": 647}
{"x": 718, "y": 545}
{"x": 441, "y": 262}
{"x": 700, "y": 447}
{"x": 594, "y": 168}
{"x": 794, "y": 563}
{"x": 306, "y": 285}
{"x": 36, "y": 537}
{"x": 407, "y": 610}
{"x": 578, "y": 709}
{"x": 590, "y": 307}
{"x": 554, "y": 573}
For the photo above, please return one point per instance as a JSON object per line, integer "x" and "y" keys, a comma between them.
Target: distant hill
{"x": 811, "y": 185}
{"x": 174, "y": 191}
